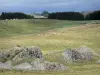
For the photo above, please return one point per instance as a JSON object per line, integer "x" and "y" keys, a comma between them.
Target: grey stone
{"x": 9, "y": 62}
{"x": 14, "y": 51}
{"x": 28, "y": 53}
{"x": 10, "y": 53}
{"x": 53, "y": 66}
{"x": 4, "y": 55}
{"x": 71, "y": 56}
{"x": 82, "y": 53}
{"x": 5, "y": 66}
{"x": 38, "y": 64}
{"x": 67, "y": 56}
{"x": 21, "y": 55}
{"x": 46, "y": 65}
{"x": 23, "y": 66}
{"x": 86, "y": 53}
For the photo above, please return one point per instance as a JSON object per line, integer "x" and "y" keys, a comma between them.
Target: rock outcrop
{"x": 86, "y": 53}
{"x": 31, "y": 58}
{"x": 82, "y": 53}
{"x": 10, "y": 53}
{"x": 35, "y": 65}
{"x": 28, "y": 53}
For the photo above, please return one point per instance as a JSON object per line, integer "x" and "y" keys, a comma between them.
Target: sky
{"x": 30, "y": 6}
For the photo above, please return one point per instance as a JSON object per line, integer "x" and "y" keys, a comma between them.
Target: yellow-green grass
{"x": 33, "y": 26}
{"x": 58, "y": 39}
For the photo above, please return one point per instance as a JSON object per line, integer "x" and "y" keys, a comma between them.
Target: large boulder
{"x": 10, "y": 53}
{"x": 82, "y": 53}
{"x": 28, "y": 53}
{"x": 71, "y": 56}
{"x": 86, "y": 53}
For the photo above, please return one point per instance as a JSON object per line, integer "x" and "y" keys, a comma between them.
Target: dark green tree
{"x": 93, "y": 16}
{"x": 15, "y": 15}
{"x": 66, "y": 16}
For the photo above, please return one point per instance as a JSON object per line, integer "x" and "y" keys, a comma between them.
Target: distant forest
{"x": 15, "y": 15}
{"x": 74, "y": 16}
{"x": 56, "y": 15}
{"x": 66, "y": 16}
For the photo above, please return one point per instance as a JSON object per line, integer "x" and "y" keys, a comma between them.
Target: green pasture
{"x": 50, "y": 36}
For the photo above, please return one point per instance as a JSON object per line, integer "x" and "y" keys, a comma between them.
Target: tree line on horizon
{"x": 66, "y": 16}
{"x": 74, "y": 16}
{"x": 93, "y": 16}
{"x": 15, "y": 15}
{"x": 56, "y": 15}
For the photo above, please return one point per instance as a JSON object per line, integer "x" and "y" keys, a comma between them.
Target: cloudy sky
{"x": 30, "y": 6}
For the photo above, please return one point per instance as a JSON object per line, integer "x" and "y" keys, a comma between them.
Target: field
{"x": 52, "y": 35}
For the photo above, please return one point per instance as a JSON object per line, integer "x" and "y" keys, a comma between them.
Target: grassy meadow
{"x": 50, "y": 36}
